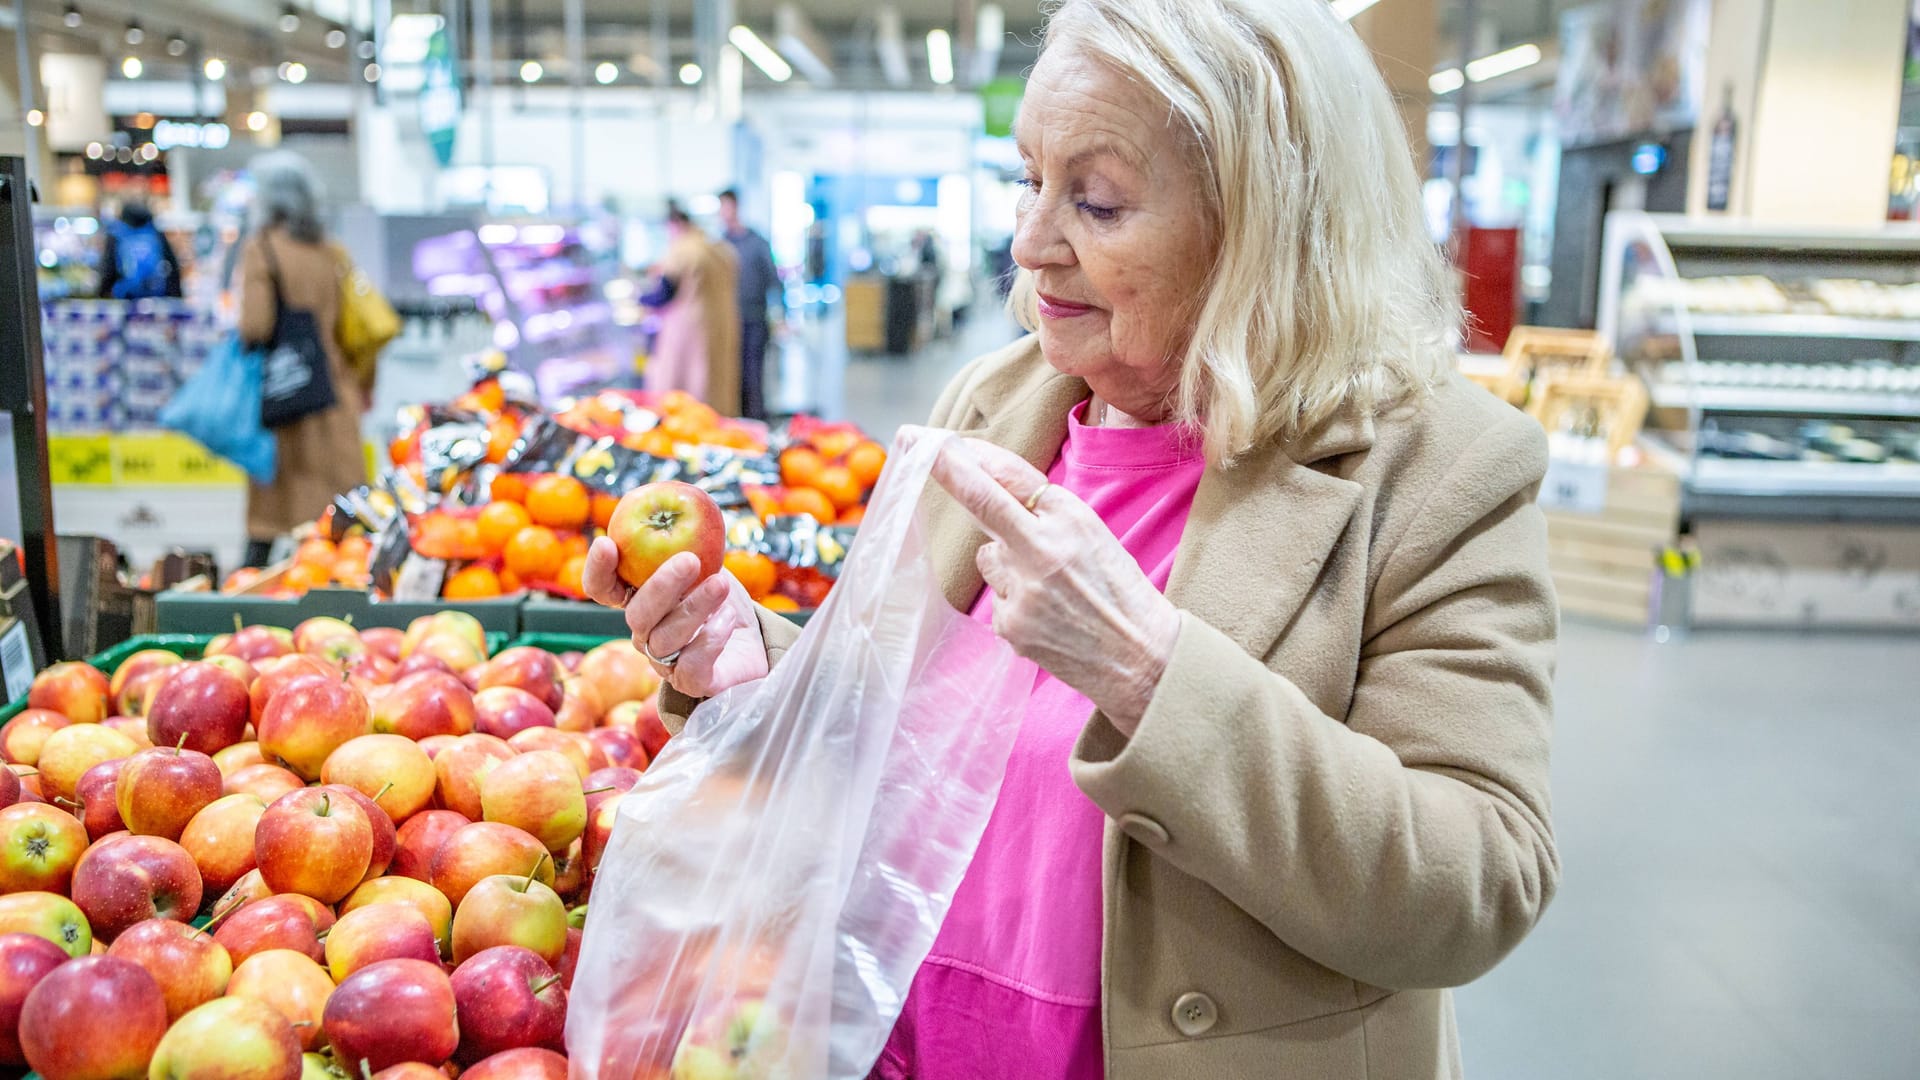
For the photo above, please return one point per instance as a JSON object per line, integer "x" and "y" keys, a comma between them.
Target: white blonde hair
{"x": 1326, "y": 290}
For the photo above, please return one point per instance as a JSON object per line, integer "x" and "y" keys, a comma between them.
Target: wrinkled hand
{"x": 1066, "y": 595}
{"x": 712, "y": 623}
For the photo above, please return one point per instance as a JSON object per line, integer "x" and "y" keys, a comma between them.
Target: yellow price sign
{"x": 80, "y": 459}
{"x": 171, "y": 459}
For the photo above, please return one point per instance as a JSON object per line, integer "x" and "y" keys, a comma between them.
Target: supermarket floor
{"x": 1737, "y": 818}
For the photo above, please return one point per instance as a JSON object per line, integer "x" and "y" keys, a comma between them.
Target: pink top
{"x": 1012, "y": 985}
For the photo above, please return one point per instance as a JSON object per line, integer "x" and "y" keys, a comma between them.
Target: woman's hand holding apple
{"x": 710, "y": 621}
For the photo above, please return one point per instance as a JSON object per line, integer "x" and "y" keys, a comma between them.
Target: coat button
{"x": 1195, "y": 1014}
{"x": 1144, "y": 829}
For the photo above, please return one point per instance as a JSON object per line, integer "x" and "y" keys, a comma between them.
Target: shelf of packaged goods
{"x": 1815, "y": 479}
{"x": 1680, "y": 231}
{"x": 1832, "y": 327}
{"x": 1788, "y": 402}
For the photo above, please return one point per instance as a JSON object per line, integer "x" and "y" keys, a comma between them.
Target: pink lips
{"x": 1061, "y": 309}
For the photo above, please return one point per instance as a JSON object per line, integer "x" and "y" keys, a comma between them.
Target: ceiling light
{"x": 531, "y": 71}
{"x": 371, "y": 73}
{"x": 215, "y": 69}
{"x": 365, "y": 49}
{"x": 72, "y": 17}
{"x": 176, "y": 46}
{"x": 890, "y": 41}
{"x": 124, "y": 155}
{"x": 336, "y": 38}
{"x": 296, "y": 73}
{"x": 1347, "y": 9}
{"x": 94, "y": 151}
{"x": 131, "y": 67}
{"x": 289, "y": 19}
{"x": 940, "y": 56}
{"x": 35, "y": 118}
{"x": 762, "y": 54}
{"x": 135, "y": 35}
{"x": 606, "y": 72}
{"x": 803, "y": 47}
{"x": 690, "y": 73}
{"x": 1506, "y": 62}
{"x": 1446, "y": 82}
{"x": 256, "y": 121}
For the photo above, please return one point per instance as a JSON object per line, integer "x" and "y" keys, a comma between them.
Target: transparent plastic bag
{"x": 777, "y": 876}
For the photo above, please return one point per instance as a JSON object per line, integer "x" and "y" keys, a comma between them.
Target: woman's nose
{"x": 1038, "y": 240}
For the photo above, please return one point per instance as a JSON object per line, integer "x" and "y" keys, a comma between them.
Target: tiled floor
{"x": 1738, "y": 818}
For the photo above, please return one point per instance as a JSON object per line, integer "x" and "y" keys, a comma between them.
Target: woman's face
{"x": 1114, "y": 228}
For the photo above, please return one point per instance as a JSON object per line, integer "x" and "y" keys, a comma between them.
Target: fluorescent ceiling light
{"x": 215, "y": 69}
{"x": 804, "y": 48}
{"x": 1505, "y": 62}
{"x": 606, "y": 72}
{"x": 890, "y": 41}
{"x": 531, "y": 71}
{"x": 1511, "y": 60}
{"x": 940, "y": 56}
{"x": 989, "y": 34}
{"x": 762, "y": 54}
{"x": 1347, "y": 9}
{"x": 690, "y": 73}
{"x": 131, "y": 67}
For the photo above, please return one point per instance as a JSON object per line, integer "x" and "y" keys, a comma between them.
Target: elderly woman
{"x": 1282, "y": 779}
{"x": 289, "y": 257}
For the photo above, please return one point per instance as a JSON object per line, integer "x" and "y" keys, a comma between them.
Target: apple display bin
{"x": 213, "y": 613}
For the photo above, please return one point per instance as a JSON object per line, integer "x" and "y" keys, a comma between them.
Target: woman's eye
{"x": 1099, "y": 213}
{"x": 1029, "y": 183}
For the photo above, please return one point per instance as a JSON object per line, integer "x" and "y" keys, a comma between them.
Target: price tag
{"x": 1575, "y": 486}
{"x": 80, "y": 459}
{"x": 171, "y": 459}
{"x": 419, "y": 578}
{"x": 16, "y": 661}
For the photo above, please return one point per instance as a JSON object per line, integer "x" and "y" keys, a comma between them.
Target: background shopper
{"x": 137, "y": 261}
{"x": 320, "y": 455}
{"x": 698, "y": 347}
{"x": 759, "y": 287}
{"x": 1283, "y": 778}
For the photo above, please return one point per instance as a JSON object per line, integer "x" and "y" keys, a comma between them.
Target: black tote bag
{"x": 295, "y": 382}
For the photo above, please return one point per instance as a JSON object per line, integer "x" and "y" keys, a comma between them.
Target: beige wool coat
{"x": 320, "y": 455}
{"x": 1335, "y": 807}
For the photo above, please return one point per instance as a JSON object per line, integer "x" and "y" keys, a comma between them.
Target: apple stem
{"x": 177, "y": 747}
{"x": 326, "y": 804}
{"x": 237, "y": 626}
{"x": 322, "y": 935}
{"x": 544, "y": 857}
{"x": 384, "y": 788}
{"x": 28, "y": 771}
{"x": 220, "y": 916}
{"x": 598, "y": 790}
{"x": 544, "y": 983}
{"x": 301, "y": 1023}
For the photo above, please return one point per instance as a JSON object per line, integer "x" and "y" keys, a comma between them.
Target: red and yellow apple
{"x": 202, "y": 703}
{"x": 619, "y": 673}
{"x": 391, "y": 770}
{"x": 136, "y": 666}
{"x": 161, "y": 788}
{"x": 313, "y": 842}
{"x": 278, "y": 672}
{"x": 654, "y": 522}
{"x": 126, "y": 879}
{"x": 536, "y": 671}
{"x": 484, "y": 849}
{"x": 25, "y": 959}
{"x": 539, "y": 793}
{"x": 25, "y": 734}
{"x": 232, "y": 1039}
{"x": 308, "y": 719}
{"x": 273, "y": 923}
{"x": 508, "y": 997}
{"x": 93, "y": 1018}
{"x": 189, "y": 965}
{"x": 389, "y": 930}
{"x": 47, "y": 915}
{"x": 71, "y": 751}
{"x": 39, "y": 846}
{"x": 430, "y": 902}
{"x": 425, "y": 704}
{"x": 292, "y": 984}
{"x": 504, "y": 711}
{"x": 263, "y": 782}
{"x": 419, "y": 840}
{"x": 509, "y": 909}
{"x": 390, "y": 1012}
{"x": 220, "y": 839}
{"x": 459, "y": 768}
{"x": 526, "y": 1063}
{"x": 75, "y": 690}
{"x": 238, "y": 756}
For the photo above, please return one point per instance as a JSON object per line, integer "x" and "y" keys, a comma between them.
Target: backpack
{"x": 139, "y": 253}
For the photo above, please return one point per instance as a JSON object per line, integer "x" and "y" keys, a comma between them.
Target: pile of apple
{"x": 392, "y": 835}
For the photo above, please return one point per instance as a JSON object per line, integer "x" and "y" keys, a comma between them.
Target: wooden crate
{"x": 1605, "y": 564}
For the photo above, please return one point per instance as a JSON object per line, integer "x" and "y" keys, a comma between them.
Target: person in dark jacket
{"x": 137, "y": 261}
{"x": 758, "y": 279}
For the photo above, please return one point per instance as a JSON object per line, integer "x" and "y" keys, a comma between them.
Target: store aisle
{"x": 1741, "y": 848}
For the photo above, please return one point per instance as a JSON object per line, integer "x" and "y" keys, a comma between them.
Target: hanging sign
{"x": 440, "y": 96}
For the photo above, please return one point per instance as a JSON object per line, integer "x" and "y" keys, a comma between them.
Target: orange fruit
{"x": 764, "y": 502}
{"x": 501, "y": 435}
{"x": 558, "y": 501}
{"x": 778, "y": 602}
{"x": 534, "y": 554}
{"x": 303, "y": 576}
{"x": 656, "y": 442}
{"x": 509, "y": 581}
{"x": 472, "y": 583}
{"x": 575, "y": 544}
{"x": 677, "y": 401}
{"x": 508, "y": 487}
{"x": 571, "y": 573}
{"x": 486, "y": 397}
{"x": 498, "y": 522}
{"x": 800, "y": 467}
{"x": 467, "y": 543}
{"x": 837, "y": 483}
{"x": 348, "y": 570}
{"x": 834, "y": 443}
{"x": 317, "y": 552}
{"x": 865, "y": 462}
{"x": 755, "y": 572}
{"x": 685, "y": 427}
{"x": 400, "y": 450}
{"x": 852, "y": 515}
{"x": 354, "y": 547}
{"x": 806, "y": 500}
{"x": 602, "y": 508}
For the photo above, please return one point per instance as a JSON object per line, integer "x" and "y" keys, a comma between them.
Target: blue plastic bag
{"x": 220, "y": 407}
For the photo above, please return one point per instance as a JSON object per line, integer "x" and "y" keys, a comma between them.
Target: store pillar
{"x": 1813, "y": 87}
